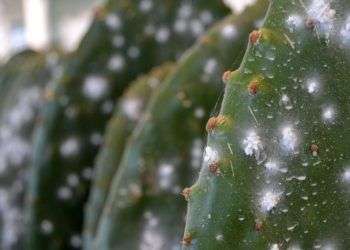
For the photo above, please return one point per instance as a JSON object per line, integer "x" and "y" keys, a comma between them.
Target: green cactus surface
{"x": 126, "y": 39}
{"x": 127, "y": 114}
{"x": 144, "y": 209}
{"x": 22, "y": 83}
{"x": 281, "y": 152}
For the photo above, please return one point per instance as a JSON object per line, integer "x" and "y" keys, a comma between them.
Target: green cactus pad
{"x": 126, "y": 39}
{"x": 127, "y": 114}
{"x": 22, "y": 83}
{"x": 284, "y": 177}
{"x": 144, "y": 209}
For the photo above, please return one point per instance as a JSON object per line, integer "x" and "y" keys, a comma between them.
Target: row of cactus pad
{"x": 126, "y": 39}
{"x": 144, "y": 209}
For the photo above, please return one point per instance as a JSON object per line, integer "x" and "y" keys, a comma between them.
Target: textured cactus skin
{"x": 143, "y": 209}
{"x": 122, "y": 43}
{"x": 120, "y": 127}
{"x": 287, "y": 186}
{"x": 22, "y": 83}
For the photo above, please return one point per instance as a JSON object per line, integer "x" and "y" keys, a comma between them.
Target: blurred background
{"x": 44, "y": 24}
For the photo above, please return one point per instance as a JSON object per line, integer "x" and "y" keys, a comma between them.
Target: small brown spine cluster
{"x": 258, "y": 227}
{"x": 186, "y": 193}
{"x": 255, "y": 36}
{"x": 314, "y": 149}
{"x": 310, "y": 23}
{"x": 214, "y": 122}
{"x": 214, "y": 168}
{"x": 253, "y": 87}
{"x": 226, "y": 76}
{"x": 187, "y": 239}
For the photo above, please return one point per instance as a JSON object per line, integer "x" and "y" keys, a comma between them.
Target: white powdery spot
{"x": 107, "y": 107}
{"x": 95, "y": 87}
{"x": 272, "y": 166}
{"x": 180, "y": 25}
{"x": 321, "y": 12}
{"x": 269, "y": 200}
{"x": 70, "y": 147}
{"x": 113, "y": 21}
{"x": 328, "y": 114}
{"x": 118, "y": 41}
{"x": 238, "y": 6}
{"x": 162, "y": 35}
{"x": 285, "y": 100}
{"x": 96, "y": 138}
{"x": 289, "y": 139}
{"x": 134, "y": 52}
{"x": 199, "y": 113}
{"x": 145, "y": 5}
{"x": 229, "y": 31}
{"x": 196, "y": 153}
{"x": 253, "y": 146}
{"x": 166, "y": 176}
{"x": 197, "y": 27}
{"x": 211, "y": 155}
{"x": 76, "y": 241}
{"x": 206, "y": 17}
{"x": 11, "y": 221}
{"x": 345, "y": 32}
{"x": 294, "y": 247}
{"x": 313, "y": 86}
{"x": 185, "y": 11}
{"x": 116, "y": 63}
{"x": 210, "y": 66}
{"x": 151, "y": 236}
{"x": 346, "y": 175}
{"x": 46, "y": 227}
{"x": 294, "y": 22}
{"x": 24, "y": 110}
{"x": 219, "y": 237}
{"x": 73, "y": 180}
{"x": 131, "y": 107}
{"x": 274, "y": 247}
{"x": 64, "y": 193}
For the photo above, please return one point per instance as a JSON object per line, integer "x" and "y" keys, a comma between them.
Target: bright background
{"x": 41, "y": 24}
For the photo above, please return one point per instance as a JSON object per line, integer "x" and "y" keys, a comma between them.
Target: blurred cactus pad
{"x": 180, "y": 124}
{"x": 23, "y": 80}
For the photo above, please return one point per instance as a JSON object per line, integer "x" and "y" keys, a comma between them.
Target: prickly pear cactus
{"x": 276, "y": 170}
{"x": 128, "y": 113}
{"x": 22, "y": 84}
{"x": 143, "y": 209}
{"x": 126, "y": 39}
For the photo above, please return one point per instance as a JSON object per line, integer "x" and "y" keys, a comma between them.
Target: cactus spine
{"x": 282, "y": 149}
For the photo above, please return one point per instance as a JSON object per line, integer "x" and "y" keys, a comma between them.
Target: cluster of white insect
{"x": 95, "y": 87}
{"x": 151, "y": 236}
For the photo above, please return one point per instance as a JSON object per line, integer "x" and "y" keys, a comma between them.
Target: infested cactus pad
{"x": 284, "y": 175}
